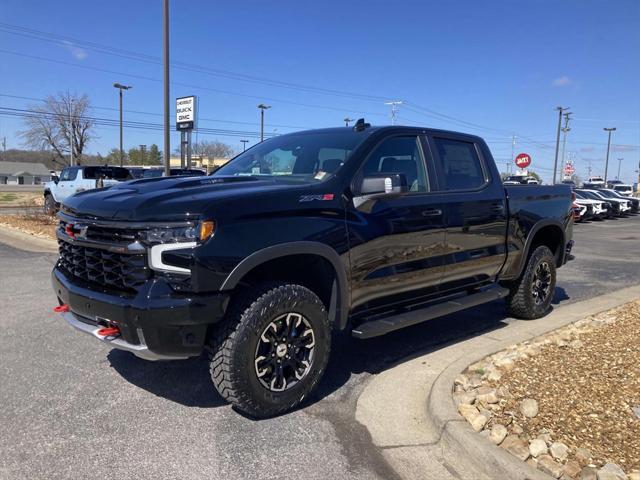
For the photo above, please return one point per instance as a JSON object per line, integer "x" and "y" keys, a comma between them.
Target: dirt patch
{"x": 36, "y": 224}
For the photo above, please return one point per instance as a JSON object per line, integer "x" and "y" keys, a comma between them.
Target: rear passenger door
{"x": 475, "y": 211}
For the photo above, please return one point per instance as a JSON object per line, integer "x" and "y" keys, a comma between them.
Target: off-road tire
{"x": 521, "y": 301}
{"x": 233, "y": 347}
{"x": 49, "y": 205}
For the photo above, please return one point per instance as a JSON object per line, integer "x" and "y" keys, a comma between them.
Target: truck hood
{"x": 165, "y": 198}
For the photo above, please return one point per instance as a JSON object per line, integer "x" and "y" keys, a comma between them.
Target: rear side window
{"x": 460, "y": 164}
{"x": 110, "y": 173}
{"x": 69, "y": 174}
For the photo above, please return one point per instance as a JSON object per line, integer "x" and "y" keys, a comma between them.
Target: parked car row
{"x": 602, "y": 203}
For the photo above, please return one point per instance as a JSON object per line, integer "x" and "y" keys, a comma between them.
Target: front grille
{"x": 101, "y": 267}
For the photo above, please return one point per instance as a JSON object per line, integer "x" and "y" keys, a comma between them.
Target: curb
{"x": 421, "y": 433}
{"x": 24, "y": 241}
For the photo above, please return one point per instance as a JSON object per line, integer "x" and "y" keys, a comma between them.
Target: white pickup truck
{"x": 78, "y": 179}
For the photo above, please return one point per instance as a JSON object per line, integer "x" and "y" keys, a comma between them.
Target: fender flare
{"x": 530, "y": 236}
{"x": 339, "y": 307}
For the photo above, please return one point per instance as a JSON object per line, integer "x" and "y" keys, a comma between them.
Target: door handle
{"x": 431, "y": 212}
{"x": 497, "y": 207}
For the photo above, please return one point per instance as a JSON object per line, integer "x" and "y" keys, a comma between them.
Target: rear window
{"x": 108, "y": 173}
{"x": 460, "y": 164}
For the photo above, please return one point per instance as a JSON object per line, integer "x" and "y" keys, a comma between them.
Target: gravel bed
{"x": 568, "y": 402}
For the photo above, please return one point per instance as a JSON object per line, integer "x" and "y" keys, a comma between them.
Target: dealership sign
{"x": 185, "y": 113}
{"x": 523, "y": 160}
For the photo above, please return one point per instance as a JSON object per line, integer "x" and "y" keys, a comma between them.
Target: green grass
{"x": 7, "y": 197}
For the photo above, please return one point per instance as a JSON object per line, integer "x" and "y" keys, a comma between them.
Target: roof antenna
{"x": 360, "y": 125}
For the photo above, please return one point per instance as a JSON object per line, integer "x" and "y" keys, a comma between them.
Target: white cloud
{"x": 562, "y": 81}
{"x": 77, "y": 52}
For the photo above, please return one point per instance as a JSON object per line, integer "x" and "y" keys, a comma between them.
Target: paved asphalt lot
{"x": 70, "y": 408}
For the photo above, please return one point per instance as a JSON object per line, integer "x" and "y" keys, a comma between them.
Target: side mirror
{"x": 383, "y": 183}
{"x": 55, "y": 179}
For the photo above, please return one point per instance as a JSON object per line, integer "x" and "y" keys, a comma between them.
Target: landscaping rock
{"x": 571, "y": 469}
{"x": 462, "y": 380}
{"x": 463, "y": 397}
{"x": 474, "y": 381}
{"x": 611, "y": 471}
{"x": 549, "y": 466}
{"x": 559, "y": 451}
{"x": 589, "y": 473}
{"x": 633, "y": 476}
{"x": 488, "y": 397}
{"x": 583, "y": 456}
{"x": 516, "y": 447}
{"x": 529, "y": 407}
{"x": 478, "y": 422}
{"x": 537, "y": 447}
{"x": 468, "y": 411}
{"x": 545, "y": 437}
{"x": 516, "y": 429}
{"x": 498, "y": 433}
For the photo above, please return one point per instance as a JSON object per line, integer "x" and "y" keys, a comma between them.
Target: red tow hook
{"x": 61, "y": 308}
{"x": 109, "y": 332}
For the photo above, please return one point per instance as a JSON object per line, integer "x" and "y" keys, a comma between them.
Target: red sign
{"x": 523, "y": 160}
{"x": 568, "y": 169}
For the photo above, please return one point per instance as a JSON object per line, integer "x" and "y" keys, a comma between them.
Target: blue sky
{"x": 493, "y": 68}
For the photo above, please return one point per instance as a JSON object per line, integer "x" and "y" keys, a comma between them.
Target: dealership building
{"x": 23, "y": 173}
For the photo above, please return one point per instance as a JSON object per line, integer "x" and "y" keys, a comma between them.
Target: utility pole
{"x": 565, "y": 130}
{"x": 143, "y": 149}
{"x": 555, "y": 162}
{"x": 606, "y": 163}
{"x": 347, "y": 120}
{"x": 262, "y": 108}
{"x": 244, "y": 144}
{"x": 4, "y": 147}
{"x": 71, "y": 159}
{"x": 394, "y": 104}
{"x": 165, "y": 52}
{"x": 121, "y": 87}
{"x": 619, "y": 164}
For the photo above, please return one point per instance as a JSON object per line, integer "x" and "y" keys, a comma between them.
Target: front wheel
{"x": 271, "y": 350}
{"x": 530, "y": 296}
{"x": 49, "y": 205}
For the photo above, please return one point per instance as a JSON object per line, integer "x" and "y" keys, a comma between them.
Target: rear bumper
{"x": 156, "y": 323}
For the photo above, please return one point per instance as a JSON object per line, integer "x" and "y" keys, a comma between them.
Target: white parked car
{"x": 623, "y": 205}
{"x": 623, "y": 189}
{"x": 595, "y": 208}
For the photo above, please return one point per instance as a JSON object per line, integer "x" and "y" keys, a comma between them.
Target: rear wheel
{"x": 530, "y": 296}
{"x": 271, "y": 350}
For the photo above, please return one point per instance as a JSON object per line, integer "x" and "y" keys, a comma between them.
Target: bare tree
{"x": 213, "y": 149}
{"x": 61, "y": 124}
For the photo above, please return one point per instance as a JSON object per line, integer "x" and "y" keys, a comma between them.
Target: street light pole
{"x": 121, "y": 87}
{"x": 165, "y": 52}
{"x": 262, "y": 108}
{"x": 606, "y": 163}
{"x": 555, "y": 162}
{"x": 244, "y": 144}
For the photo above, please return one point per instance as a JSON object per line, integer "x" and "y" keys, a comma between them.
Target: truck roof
{"x": 389, "y": 129}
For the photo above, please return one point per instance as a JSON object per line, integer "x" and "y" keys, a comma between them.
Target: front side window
{"x": 460, "y": 164}
{"x": 307, "y": 156}
{"x": 399, "y": 155}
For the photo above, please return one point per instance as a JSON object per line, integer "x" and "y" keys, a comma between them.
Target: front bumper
{"x": 156, "y": 323}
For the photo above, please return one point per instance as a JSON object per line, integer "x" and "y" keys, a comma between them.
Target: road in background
{"x": 71, "y": 408}
{"x": 21, "y": 188}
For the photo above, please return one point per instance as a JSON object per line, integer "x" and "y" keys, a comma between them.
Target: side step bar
{"x": 383, "y": 326}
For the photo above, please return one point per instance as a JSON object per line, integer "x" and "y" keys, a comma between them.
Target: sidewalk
{"x": 410, "y": 414}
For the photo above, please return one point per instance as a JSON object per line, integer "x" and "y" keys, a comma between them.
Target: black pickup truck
{"x": 365, "y": 229}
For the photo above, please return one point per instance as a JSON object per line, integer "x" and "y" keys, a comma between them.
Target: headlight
{"x": 200, "y": 233}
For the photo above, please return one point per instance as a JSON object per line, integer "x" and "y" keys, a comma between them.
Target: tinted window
{"x": 460, "y": 164}
{"x": 399, "y": 155}
{"x": 110, "y": 173}
{"x": 152, "y": 173}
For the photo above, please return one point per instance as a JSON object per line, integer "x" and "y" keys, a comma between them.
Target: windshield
{"x": 152, "y": 173}
{"x": 607, "y": 193}
{"x": 590, "y": 195}
{"x": 304, "y": 157}
{"x": 622, "y": 188}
